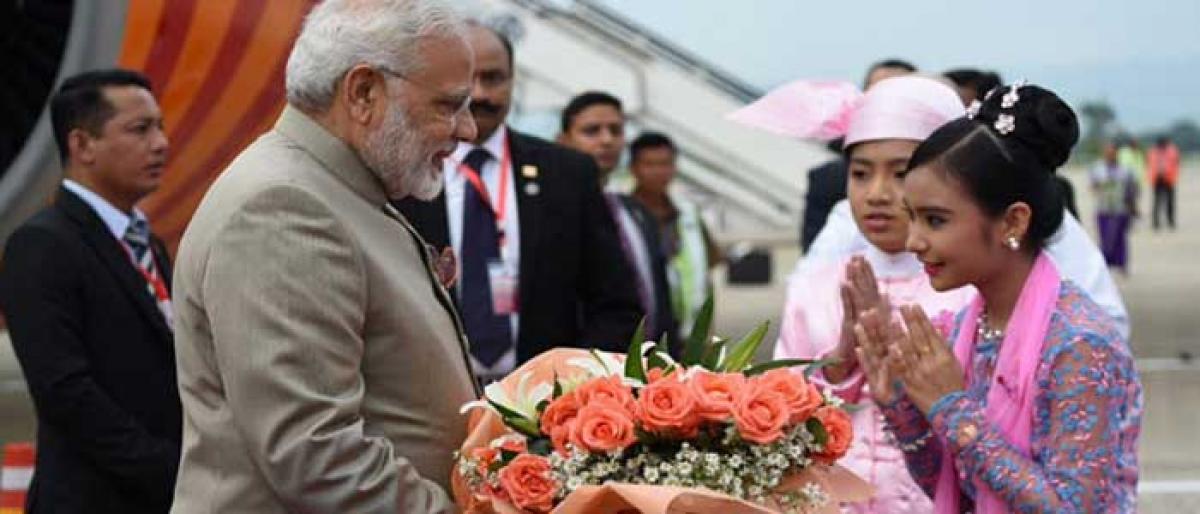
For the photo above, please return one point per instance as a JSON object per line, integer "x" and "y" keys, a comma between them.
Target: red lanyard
{"x": 155, "y": 282}
{"x": 499, "y": 209}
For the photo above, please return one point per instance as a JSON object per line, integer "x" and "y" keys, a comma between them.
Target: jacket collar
{"x": 332, "y": 152}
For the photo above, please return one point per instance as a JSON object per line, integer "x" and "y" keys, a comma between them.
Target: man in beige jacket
{"x": 321, "y": 363}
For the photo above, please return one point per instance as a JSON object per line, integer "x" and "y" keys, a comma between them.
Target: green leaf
{"x": 743, "y": 351}
{"x": 776, "y": 364}
{"x": 507, "y": 456}
{"x": 523, "y": 425}
{"x": 541, "y": 406}
{"x": 634, "y": 367}
{"x": 540, "y": 446}
{"x": 516, "y": 420}
{"x": 647, "y": 438}
{"x": 712, "y": 355}
{"x": 505, "y": 412}
{"x": 812, "y": 368}
{"x": 701, "y": 330}
{"x": 815, "y": 427}
{"x": 639, "y": 335}
{"x": 558, "y": 388}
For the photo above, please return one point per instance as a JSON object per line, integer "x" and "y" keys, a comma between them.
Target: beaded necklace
{"x": 984, "y": 332}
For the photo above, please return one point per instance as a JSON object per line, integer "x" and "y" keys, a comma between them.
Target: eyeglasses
{"x": 450, "y": 106}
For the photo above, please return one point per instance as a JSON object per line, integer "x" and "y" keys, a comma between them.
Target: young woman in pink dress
{"x": 881, "y": 128}
{"x": 1032, "y": 404}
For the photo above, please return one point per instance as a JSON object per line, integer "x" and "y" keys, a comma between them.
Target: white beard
{"x": 395, "y": 154}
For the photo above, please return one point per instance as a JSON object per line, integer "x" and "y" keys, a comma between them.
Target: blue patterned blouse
{"x": 1087, "y": 417}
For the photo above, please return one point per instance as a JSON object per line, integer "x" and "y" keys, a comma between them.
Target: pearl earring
{"x": 1013, "y": 243}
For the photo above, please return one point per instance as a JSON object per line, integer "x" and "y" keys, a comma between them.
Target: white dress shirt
{"x": 456, "y": 181}
{"x": 116, "y": 221}
{"x": 1077, "y": 257}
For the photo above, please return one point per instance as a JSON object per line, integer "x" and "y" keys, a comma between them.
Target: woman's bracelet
{"x": 909, "y": 446}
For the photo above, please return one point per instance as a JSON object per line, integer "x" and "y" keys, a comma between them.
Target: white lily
{"x": 524, "y": 403}
{"x": 600, "y": 365}
{"x": 572, "y": 382}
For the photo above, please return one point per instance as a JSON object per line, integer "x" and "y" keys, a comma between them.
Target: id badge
{"x": 503, "y": 281}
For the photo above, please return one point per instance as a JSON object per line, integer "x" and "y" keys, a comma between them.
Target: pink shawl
{"x": 1013, "y": 390}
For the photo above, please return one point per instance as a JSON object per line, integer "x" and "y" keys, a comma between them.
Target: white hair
{"x": 340, "y": 34}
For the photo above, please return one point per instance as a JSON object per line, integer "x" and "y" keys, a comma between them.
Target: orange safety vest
{"x": 1163, "y": 161}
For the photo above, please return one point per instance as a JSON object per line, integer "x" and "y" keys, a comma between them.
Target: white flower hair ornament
{"x": 1005, "y": 124}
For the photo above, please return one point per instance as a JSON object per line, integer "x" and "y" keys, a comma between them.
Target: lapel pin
{"x": 532, "y": 188}
{"x": 529, "y": 171}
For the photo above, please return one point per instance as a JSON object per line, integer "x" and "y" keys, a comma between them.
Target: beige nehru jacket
{"x": 321, "y": 365}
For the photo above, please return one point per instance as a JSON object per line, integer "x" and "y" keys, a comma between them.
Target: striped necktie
{"x": 137, "y": 236}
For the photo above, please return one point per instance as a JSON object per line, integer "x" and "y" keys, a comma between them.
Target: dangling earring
{"x": 1013, "y": 243}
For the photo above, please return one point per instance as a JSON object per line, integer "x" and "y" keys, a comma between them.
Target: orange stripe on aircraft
{"x": 257, "y": 120}
{"x": 201, "y": 48}
{"x": 202, "y": 128}
{"x": 141, "y": 27}
{"x": 169, "y": 36}
{"x": 233, "y": 96}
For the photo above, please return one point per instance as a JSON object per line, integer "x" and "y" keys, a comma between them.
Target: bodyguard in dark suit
{"x": 540, "y": 262}
{"x": 85, "y": 288}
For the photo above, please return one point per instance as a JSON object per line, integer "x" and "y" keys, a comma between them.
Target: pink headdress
{"x": 909, "y": 107}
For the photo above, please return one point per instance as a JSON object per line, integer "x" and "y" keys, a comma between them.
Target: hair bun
{"x": 1043, "y": 124}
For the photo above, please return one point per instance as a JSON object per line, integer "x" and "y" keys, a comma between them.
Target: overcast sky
{"x": 1143, "y": 57}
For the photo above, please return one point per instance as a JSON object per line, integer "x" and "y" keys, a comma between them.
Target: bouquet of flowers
{"x": 590, "y": 431}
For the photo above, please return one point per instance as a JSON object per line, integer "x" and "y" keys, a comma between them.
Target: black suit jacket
{"x": 666, "y": 324}
{"x": 99, "y": 361}
{"x": 575, "y": 287}
{"x": 826, "y": 187}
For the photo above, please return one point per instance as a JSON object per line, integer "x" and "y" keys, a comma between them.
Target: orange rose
{"x": 840, "y": 431}
{"x": 603, "y": 426}
{"x": 760, "y": 413}
{"x": 668, "y": 406}
{"x": 528, "y": 483}
{"x": 560, "y": 412}
{"x": 716, "y": 393}
{"x": 558, "y": 419}
{"x": 802, "y": 398}
{"x": 560, "y": 436}
{"x": 606, "y": 388}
